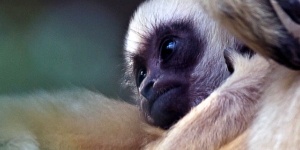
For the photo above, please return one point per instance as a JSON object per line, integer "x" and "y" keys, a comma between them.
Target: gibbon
{"x": 175, "y": 62}
{"x": 276, "y": 125}
{"x": 182, "y": 66}
{"x": 158, "y": 36}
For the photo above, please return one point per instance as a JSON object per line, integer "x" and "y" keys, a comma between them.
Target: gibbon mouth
{"x": 166, "y": 93}
{"x": 164, "y": 109}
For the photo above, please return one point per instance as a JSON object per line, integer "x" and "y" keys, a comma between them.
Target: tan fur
{"x": 71, "y": 120}
{"x": 238, "y": 143}
{"x": 277, "y": 125}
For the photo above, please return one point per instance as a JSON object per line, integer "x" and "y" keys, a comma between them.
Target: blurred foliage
{"x": 62, "y": 44}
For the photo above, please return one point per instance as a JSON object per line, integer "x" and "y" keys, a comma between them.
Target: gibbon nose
{"x": 147, "y": 89}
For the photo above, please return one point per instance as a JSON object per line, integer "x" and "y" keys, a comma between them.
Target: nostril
{"x": 147, "y": 89}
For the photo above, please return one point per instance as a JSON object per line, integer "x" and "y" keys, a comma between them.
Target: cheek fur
{"x": 205, "y": 79}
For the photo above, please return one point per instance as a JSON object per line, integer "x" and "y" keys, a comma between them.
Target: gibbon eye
{"x": 141, "y": 75}
{"x": 167, "y": 48}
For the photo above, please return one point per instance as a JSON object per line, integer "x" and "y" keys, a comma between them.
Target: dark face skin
{"x": 164, "y": 69}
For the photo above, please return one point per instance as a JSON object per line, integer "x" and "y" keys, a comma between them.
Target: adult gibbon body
{"x": 71, "y": 120}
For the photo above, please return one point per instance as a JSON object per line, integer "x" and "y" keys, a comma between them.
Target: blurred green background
{"x": 55, "y": 44}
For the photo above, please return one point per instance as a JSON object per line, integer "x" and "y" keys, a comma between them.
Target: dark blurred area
{"x": 55, "y": 44}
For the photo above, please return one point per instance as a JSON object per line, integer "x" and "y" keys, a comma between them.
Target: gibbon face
{"x": 174, "y": 58}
